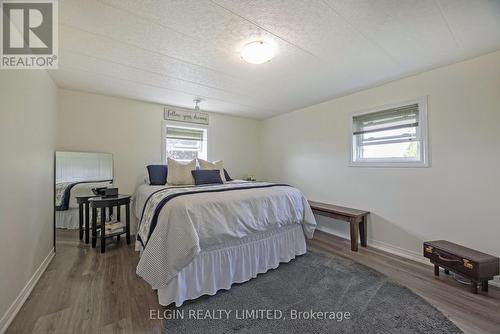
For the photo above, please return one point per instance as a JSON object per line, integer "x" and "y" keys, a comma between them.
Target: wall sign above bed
{"x": 185, "y": 116}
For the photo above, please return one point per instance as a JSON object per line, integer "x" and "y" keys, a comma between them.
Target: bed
{"x": 196, "y": 240}
{"x": 66, "y": 206}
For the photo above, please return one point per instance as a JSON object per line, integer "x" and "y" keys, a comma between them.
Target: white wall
{"x": 28, "y": 103}
{"x": 131, "y": 131}
{"x": 456, "y": 198}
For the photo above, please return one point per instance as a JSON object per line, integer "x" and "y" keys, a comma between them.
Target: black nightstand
{"x": 109, "y": 203}
{"x": 84, "y": 201}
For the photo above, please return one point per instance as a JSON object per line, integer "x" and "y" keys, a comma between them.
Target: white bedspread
{"x": 189, "y": 223}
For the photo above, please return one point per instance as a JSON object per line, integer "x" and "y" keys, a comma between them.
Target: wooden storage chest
{"x": 476, "y": 266}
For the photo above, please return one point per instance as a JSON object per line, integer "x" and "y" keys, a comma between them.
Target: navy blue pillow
{"x": 157, "y": 175}
{"x": 206, "y": 176}
{"x": 226, "y": 175}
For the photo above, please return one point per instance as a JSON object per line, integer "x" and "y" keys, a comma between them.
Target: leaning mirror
{"x": 76, "y": 174}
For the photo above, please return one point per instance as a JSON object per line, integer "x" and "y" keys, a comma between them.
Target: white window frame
{"x": 166, "y": 123}
{"x": 422, "y": 133}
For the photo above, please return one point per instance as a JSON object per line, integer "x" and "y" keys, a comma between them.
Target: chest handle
{"x": 446, "y": 259}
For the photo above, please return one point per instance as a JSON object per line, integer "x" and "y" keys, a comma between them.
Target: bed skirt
{"x": 67, "y": 219}
{"x": 219, "y": 267}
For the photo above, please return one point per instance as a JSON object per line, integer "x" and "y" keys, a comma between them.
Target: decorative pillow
{"x": 206, "y": 176}
{"x": 157, "y": 174}
{"x": 226, "y": 175}
{"x": 219, "y": 164}
{"x": 180, "y": 173}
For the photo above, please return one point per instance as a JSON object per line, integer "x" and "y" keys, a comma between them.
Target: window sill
{"x": 389, "y": 164}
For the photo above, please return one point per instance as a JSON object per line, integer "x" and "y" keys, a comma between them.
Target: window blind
{"x": 184, "y": 134}
{"x": 394, "y": 125}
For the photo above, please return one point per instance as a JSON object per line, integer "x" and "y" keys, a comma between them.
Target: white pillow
{"x": 179, "y": 173}
{"x": 219, "y": 164}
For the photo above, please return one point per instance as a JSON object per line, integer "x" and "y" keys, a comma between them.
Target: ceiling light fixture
{"x": 197, "y": 107}
{"x": 257, "y": 52}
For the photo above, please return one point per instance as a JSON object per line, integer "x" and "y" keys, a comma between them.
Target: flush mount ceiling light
{"x": 257, "y": 52}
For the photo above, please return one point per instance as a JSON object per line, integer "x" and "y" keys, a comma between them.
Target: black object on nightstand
{"x": 107, "y": 204}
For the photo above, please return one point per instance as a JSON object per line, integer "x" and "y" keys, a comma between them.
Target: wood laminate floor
{"x": 84, "y": 291}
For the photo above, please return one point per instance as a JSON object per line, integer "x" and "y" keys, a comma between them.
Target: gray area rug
{"x": 313, "y": 282}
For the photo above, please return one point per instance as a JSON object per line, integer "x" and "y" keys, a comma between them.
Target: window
{"x": 394, "y": 136}
{"x": 184, "y": 143}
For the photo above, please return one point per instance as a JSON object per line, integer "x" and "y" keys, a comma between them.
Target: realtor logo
{"x": 29, "y": 34}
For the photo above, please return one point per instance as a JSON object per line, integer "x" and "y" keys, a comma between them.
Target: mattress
{"x": 177, "y": 223}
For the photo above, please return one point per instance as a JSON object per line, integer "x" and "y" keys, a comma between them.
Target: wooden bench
{"x": 356, "y": 218}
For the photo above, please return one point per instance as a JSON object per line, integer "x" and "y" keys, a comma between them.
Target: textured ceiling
{"x": 173, "y": 51}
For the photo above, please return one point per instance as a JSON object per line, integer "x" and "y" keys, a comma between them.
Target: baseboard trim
{"x": 404, "y": 253}
{"x": 24, "y": 294}
{"x": 383, "y": 246}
